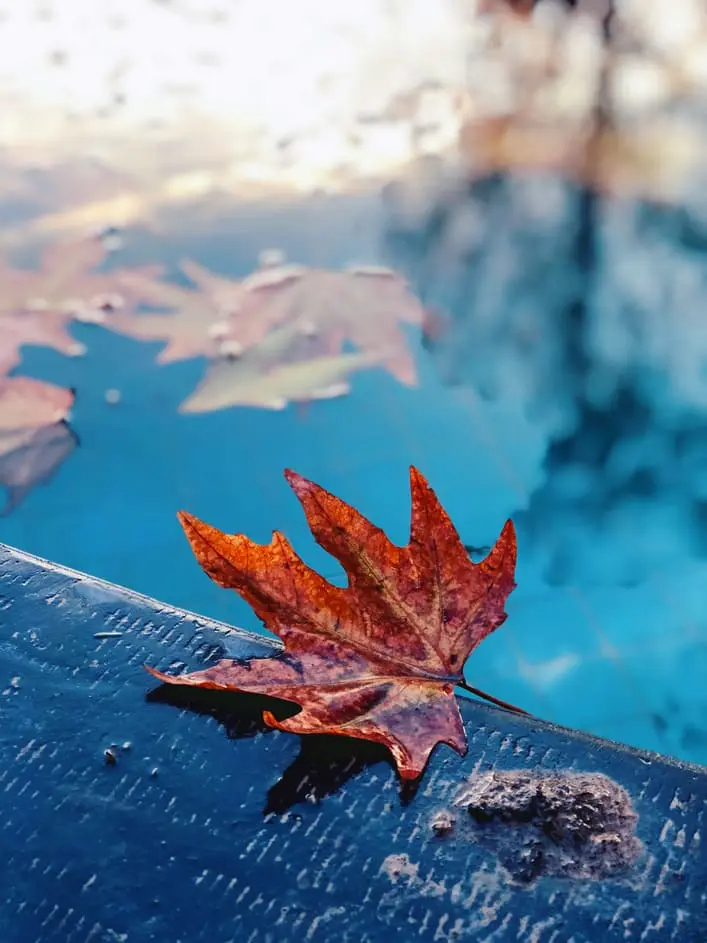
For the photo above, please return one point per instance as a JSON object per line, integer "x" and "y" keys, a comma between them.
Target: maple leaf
{"x": 223, "y": 293}
{"x": 379, "y": 659}
{"x": 34, "y": 435}
{"x": 193, "y": 322}
{"x": 26, "y": 403}
{"x": 286, "y": 366}
{"x": 360, "y": 305}
{"x": 36, "y": 306}
{"x": 63, "y": 280}
{"x": 37, "y": 328}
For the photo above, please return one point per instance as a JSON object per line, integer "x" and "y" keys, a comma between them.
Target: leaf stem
{"x": 492, "y": 699}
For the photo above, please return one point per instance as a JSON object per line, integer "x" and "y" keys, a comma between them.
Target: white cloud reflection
{"x": 279, "y": 86}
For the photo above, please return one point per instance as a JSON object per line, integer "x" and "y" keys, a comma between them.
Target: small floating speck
{"x": 443, "y": 823}
{"x": 230, "y": 348}
{"x": 107, "y": 634}
{"x": 107, "y": 303}
{"x": 154, "y": 771}
{"x": 111, "y": 239}
{"x": 111, "y": 757}
{"x": 112, "y": 397}
{"x": 308, "y": 328}
{"x": 219, "y": 329}
{"x": 271, "y": 258}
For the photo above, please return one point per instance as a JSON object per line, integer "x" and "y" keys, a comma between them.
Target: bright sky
{"x": 265, "y": 70}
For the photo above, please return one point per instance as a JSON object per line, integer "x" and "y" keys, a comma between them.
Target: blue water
{"x": 626, "y": 662}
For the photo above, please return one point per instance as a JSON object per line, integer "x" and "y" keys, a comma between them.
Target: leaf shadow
{"x": 324, "y": 764}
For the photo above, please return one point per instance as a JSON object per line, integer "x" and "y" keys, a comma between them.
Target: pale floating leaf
{"x": 286, "y": 367}
{"x": 363, "y": 306}
{"x": 26, "y": 403}
{"x": 34, "y": 435}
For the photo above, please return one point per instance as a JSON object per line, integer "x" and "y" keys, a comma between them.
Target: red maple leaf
{"x": 379, "y": 659}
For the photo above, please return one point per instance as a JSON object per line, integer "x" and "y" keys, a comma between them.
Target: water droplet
{"x": 443, "y": 822}
{"x": 111, "y": 239}
{"x": 219, "y": 330}
{"x": 271, "y": 258}
{"x": 230, "y": 348}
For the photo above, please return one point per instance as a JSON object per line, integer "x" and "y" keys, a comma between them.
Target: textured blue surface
{"x": 207, "y": 828}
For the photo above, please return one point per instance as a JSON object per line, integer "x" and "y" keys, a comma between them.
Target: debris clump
{"x": 569, "y": 825}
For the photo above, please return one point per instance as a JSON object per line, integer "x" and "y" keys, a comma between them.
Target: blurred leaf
{"x": 360, "y": 305}
{"x": 34, "y": 435}
{"x": 194, "y": 322}
{"x": 36, "y": 305}
{"x": 287, "y": 366}
{"x": 28, "y": 404}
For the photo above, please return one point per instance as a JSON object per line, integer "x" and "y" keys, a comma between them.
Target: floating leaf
{"x": 36, "y": 306}
{"x": 34, "y": 435}
{"x": 27, "y": 404}
{"x": 223, "y": 293}
{"x": 36, "y": 328}
{"x": 283, "y": 368}
{"x": 65, "y": 273}
{"x": 193, "y": 321}
{"x": 362, "y": 306}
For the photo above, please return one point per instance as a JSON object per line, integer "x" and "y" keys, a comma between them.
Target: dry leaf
{"x": 285, "y": 367}
{"x": 244, "y": 327}
{"x": 362, "y": 306}
{"x": 194, "y": 321}
{"x": 223, "y": 293}
{"x": 34, "y": 435}
{"x": 36, "y": 328}
{"x": 36, "y": 306}
{"x": 27, "y": 404}
{"x": 379, "y": 659}
{"x": 190, "y": 323}
{"x": 65, "y": 273}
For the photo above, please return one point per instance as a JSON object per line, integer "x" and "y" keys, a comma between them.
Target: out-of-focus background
{"x": 244, "y": 235}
